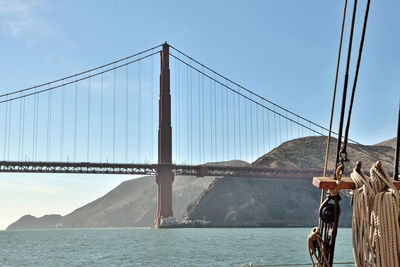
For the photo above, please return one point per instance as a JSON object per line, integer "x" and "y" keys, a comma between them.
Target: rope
{"x": 334, "y": 95}
{"x": 316, "y": 244}
{"x": 333, "y": 105}
{"x": 356, "y": 74}
{"x": 346, "y": 79}
{"x": 376, "y": 232}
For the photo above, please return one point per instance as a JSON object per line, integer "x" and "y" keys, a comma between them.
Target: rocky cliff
{"x": 258, "y": 202}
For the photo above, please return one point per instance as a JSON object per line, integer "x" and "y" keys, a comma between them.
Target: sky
{"x": 285, "y": 51}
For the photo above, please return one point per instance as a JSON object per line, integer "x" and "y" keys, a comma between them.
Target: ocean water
{"x": 163, "y": 247}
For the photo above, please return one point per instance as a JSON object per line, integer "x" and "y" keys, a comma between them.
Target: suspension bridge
{"x": 104, "y": 121}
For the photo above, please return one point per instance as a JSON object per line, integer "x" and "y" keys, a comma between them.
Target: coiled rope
{"x": 376, "y": 209}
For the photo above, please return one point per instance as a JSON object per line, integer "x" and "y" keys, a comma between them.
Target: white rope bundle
{"x": 376, "y": 234}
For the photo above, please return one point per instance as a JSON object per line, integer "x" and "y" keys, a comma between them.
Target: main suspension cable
{"x": 80, "y": 79}
{"x": 84, "y": 72}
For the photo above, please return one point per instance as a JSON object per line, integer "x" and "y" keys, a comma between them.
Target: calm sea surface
{"x": 162, "y": 247}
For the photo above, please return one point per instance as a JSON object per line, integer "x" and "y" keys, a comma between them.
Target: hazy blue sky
{"x": 283, "y": 50}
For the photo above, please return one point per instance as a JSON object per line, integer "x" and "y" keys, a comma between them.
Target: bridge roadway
{"x": 152, "y": 169}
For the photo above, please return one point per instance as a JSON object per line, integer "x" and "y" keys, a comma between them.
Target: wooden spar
{"x": 347, "y": 183}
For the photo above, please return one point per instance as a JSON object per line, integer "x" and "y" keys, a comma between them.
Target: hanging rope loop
{"x": 339, "y": 173}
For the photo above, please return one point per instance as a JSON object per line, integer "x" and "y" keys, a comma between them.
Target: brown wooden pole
{"x": 165, "y": 176}
{"x": 396, "y": 153}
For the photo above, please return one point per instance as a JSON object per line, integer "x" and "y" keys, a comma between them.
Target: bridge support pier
{"x": 164, "y": 180}
{"x": 165, "y": 177}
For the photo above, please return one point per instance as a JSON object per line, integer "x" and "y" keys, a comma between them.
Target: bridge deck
{"x": 152, "y": 169}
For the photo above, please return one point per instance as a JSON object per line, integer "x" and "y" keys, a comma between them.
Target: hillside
{"x": 390, "y": 143}
{"x": 132, "y": 203}
{"x": 223, "y": 201}
{"x": 32, "y": 222}
{"x": 309, "y": 152}
{"x": 256, "y": 202}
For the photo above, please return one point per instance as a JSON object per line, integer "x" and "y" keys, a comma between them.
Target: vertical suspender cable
{"x": 199, "y": 115}
{"x": 240, "y": 130}
{"x": 251, "y": 131}
{"x": 222, "y": 124}
{"x": 291, "y": 130}
{"x": 101, "y": 117}
{"x": 280, "y": 130}
{"x": 151, "y": 107}
{"x": 263, "y": 123}
{"x": 227, "y": 123}
{"x": 33, "y": 126}
{"x": 126, "y": 113}
{"x": 187, "y": 111}
{"x": 50, "y": 120}
{"x": 211, "y": 122}
{"x": 298, "y": 127}
{"x": 37, "y": 125}
{"x": 62, "y": 123}
{"x": 88, "y": 120}
{"x": 191, "y": 114}
{"x": 258, "y": 144}
{"x": 113, "y": 158}
{"x": 203, "y": 130}
{"x": 215, "y": 120}
{"x": 287, "y": 131}
{"x": 176, "y": 110}
{"x": 9, "y": 131}
{"x": 234, "y": 126}
{"x": 275, "y": 126}
{"x": 5, "y": 129}
{"x": 178, "y": 129}
{"x": 23, "y": 129}
{"x": 76, "y": 115}
{"x": 139, "y": 110}
{"x": 19, "y": 129}
{"x": 245, "y": 127}
{"x": 269, "y": 132}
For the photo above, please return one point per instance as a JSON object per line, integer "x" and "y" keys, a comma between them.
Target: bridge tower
{"x": 165, "y": 177}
